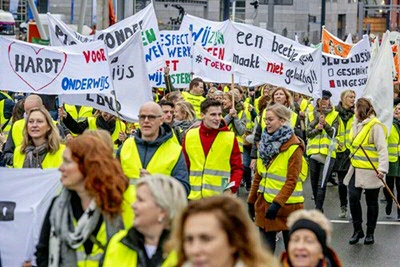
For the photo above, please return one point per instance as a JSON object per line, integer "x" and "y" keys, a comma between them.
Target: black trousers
{"x": 269, "y": 238}
{"x": 342, "y": 188}
{"x": 316, "y": 169}
{"x": 391, "y": 181}
{"x": 371, "y": 197}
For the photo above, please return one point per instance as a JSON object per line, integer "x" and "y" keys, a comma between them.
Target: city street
{"x": 384, "y": 252}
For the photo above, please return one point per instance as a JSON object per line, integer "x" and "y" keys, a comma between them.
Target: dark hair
{"x": 166, "y": 103}
{"x": 209, "y": 103}
{"x": 18, "y": 111}
{"x": 364, "y": 109}
{"x": 195, "y": 82}
{"x": 105, "y": 180}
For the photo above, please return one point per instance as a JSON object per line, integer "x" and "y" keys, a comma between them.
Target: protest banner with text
{"x": 31, "y": 68}
{"x": 129, "y": 75}
{"x": 114, "y": 36}
{"x": 264, "y": 56}
{"x": 339, "y": 74}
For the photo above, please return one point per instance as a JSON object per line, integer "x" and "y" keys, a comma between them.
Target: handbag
{"x": 319, "y": 157}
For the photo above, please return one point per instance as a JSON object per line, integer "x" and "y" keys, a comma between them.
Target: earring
{"x": 160, "y": 219}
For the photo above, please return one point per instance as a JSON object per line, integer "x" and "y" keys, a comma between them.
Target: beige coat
{"x": 368, "y": 179}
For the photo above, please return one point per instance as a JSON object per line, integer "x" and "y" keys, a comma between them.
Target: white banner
{"x": 115, "y": 35}
{"x": 177, "y": 47}
{"x": 132, "y": 88}
{"x": 261, "y": 55}
{"x": 25, "y": 196}
{"x": 339, "y": 74}
{"x": 212, "y": 35}
{"x": 32, "y": 68}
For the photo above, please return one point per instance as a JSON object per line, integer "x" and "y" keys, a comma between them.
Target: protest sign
{"x": 339, "y": 74}
{"x": 333, "y": 45}
{"x": 177, "y": 47}
{"x": 212, "y": 35}
{"x": 31, "y": 68}
{"x": 261, "y": 55}
{"x": 129, "y": 75}
{"x": 21, "y": 217}
{"x": 114, "y": 36}
{"x": 379, "y": 87}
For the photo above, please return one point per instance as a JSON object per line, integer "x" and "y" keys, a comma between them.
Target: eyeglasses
{"x": 149, "y": 117}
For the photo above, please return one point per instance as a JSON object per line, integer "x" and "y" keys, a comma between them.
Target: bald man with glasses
{"x": 153, "y": 150}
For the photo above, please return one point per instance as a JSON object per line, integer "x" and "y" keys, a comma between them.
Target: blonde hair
{"x": 103, "y": 135}
{"x": 346, "y": 93}
{"x": 52, "y": 136}
{"x": 314, "y": 216}
{"x": 168, "y": 193}
{"x": 280, "y": 111}
{"x": 188, "y": 109}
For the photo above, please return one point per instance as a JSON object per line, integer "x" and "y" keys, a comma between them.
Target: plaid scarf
{"x": 271, "y": 143}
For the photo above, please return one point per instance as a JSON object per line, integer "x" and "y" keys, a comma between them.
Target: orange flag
{"x": 395, "y": 50}
{"x": 333, "y": 45}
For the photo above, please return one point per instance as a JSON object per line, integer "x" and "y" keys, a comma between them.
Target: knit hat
{"x": 313, "y": 227}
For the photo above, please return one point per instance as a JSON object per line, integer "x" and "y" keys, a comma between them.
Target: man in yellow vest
{"x": 152, "y": 150}
{"x": 195, "y": 94}
{"x": 212, "y": 155}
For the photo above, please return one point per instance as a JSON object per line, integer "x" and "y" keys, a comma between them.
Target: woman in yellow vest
{"x": 215, "y": 231}
{"x": 234, "y": 116}
{"x": 342, "y": 162}
{"x": 320, "y": 134}
{"x": 393, "y": 176}
{"x": 87, "y": 213}
{"x": 277, "y": 190}
{"x": 368, "y": 140}
{"x": 159, "y": 199}
{"x": 184, "y": 117}
{"x": 41, "y": 147}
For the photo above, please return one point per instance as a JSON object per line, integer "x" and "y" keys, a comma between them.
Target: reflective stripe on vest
{"x": 195, "y": 100}
{"x": 393, "y": 144}
{"x": 209, "y": 176}
{"x": 275, "y": 177}
{"x": 320, "y": 143}
{"x": 343, "y": 134}
{"x": 163, "y": 161}
{"x": 119, "y": 127}
{"x": 359, "y": 160}
{"x": 49, "y": 161}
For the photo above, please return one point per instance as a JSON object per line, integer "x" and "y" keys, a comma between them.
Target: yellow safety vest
{"x": 3, "y": 120}
{"x": 320, "y": 143}
{"x": 195, "y": 100}
{"x": 209, "y": 175}
{"x": 393, "y": 145}
{"x": 342, "y": 136}
{"x": 239, "y": 138}
{"x": 119, "y": 127}
{"x": 49, "y": 161}
{"x": 118, "y": 254}
{"x": 274, "y": 178}
{"x": 162, "y": 162}
{"x": 84, "y": 112}
{"x": 249, "y": 121}
{"x": 93, "y": 259}
{"x": 359, "y": 160}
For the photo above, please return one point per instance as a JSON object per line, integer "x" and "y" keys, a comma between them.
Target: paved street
{"x": 385, "y": 251}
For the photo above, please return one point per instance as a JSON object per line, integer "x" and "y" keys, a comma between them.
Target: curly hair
{"x": 233, "y": 219}
{"x": 52, "y": 136}
{"x": 105, "y": 180}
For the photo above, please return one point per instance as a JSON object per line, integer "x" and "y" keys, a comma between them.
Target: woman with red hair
{"x": 87, "y": 212}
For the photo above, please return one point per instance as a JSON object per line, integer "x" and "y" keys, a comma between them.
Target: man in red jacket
{"x": 212, "y": 155}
